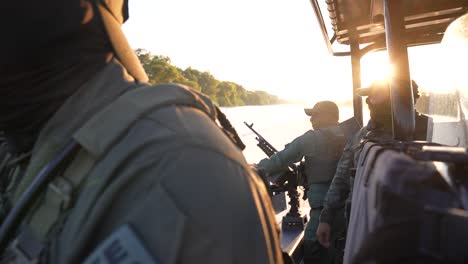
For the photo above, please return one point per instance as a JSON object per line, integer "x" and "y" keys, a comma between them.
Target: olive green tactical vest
{"x": 321, "y": 168}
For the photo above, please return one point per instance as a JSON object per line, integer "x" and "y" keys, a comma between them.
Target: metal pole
{"x": 356, "y": 71}
{"x": 400, "y": 83}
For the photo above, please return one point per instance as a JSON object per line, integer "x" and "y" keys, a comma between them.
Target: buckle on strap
{"x": 63, "y": 189}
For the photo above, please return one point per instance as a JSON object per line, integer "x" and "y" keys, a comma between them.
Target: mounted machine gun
{"x": 285, "y": 182}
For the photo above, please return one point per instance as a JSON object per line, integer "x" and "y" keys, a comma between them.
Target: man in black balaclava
{"x": 98, "y": 166}
{"x": 45, "y": 59}
{"x": 379, "y": 128}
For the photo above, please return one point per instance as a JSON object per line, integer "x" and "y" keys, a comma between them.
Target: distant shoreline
{"x": 342, "y": 104}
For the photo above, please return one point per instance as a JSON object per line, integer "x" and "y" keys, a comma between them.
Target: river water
{"x": 278, "y": 124}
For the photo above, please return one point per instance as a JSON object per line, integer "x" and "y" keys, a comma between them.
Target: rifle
{"x": 263, "y": 144}
{"x": 286, "y": 182}
{"x": 267, "y": 148}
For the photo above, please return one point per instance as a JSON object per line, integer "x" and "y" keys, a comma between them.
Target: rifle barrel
{"x": 261, "y": 140}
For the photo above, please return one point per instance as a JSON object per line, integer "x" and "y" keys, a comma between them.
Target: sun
{"x": 375, "y": 67}
{"x": 442, "y": 73}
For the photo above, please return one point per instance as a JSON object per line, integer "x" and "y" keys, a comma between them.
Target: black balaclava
{"x": 381, "y": 114}
{"x": 46, "y": 54}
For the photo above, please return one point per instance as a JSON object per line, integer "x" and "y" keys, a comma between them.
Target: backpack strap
{"x": 59, "y": 194}
{"x": 32, "y": 192}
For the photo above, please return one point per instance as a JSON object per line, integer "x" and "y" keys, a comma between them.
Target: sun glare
{"x": 375, "y": 67}
{"x": 433, "y": 67}
{"x": 436, "y": 74}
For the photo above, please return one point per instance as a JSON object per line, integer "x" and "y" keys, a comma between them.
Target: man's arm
{"x": 229, "y": 214}
{"x": 292, "y": 152}
{"x": 204, "y": 208}
{"x": 183, "y": 189}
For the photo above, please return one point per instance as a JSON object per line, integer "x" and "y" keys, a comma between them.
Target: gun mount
{"x": 286, "y": 182}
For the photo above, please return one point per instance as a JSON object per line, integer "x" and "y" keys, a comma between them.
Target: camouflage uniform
{"x": 342, "y": 182}
{"x": 341, "y": 188}
{"x": 313, "y": 146}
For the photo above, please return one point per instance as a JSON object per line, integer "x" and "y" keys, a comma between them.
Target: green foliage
{"x": 160, "y": 70}
{"x": 205, "y": 81}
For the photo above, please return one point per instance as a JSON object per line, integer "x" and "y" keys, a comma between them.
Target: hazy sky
{"x": 271, "y": 45}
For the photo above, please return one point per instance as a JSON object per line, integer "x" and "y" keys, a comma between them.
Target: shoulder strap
{"x": 28, "y": 197}
{"x": 58, "y": 195}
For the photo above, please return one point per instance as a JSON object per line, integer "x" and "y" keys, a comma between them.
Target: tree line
{"x": 224, "y": 93}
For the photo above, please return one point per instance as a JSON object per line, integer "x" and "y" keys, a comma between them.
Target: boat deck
{"x": 291, "y": 239}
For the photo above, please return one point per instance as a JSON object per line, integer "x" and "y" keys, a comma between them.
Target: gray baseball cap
{"x": 323, "y": 107}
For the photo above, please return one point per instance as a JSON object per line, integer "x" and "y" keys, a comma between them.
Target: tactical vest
{"x": 40, "y": 218}
{"x": 321, "y": 168}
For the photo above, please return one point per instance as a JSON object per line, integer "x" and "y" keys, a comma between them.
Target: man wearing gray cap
{"x": 98, "y": 166}
{"x": 320, "y": 148}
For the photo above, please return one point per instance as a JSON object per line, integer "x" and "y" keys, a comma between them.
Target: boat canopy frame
{"x": 395, "y": 25}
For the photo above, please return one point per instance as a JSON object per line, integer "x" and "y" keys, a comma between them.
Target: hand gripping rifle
{"x": 286, "y": 182}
